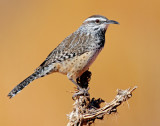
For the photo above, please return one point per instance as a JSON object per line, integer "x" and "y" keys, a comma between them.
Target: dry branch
{"x": 86, "y": 111}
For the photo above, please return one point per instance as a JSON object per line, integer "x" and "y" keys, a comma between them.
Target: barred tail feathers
{"x": 23, "y": 84}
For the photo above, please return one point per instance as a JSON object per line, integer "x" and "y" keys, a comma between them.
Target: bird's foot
{"x": 81, "y": 92}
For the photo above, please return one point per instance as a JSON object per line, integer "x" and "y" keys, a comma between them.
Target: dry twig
{"x": 85, "y": 111}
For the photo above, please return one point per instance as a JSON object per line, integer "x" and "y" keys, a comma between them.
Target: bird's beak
{"x": 112, "y": 22}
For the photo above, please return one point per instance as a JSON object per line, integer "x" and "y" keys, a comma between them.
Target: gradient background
{"x": 31, "y": 29}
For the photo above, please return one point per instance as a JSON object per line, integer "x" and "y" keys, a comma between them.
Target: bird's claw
{"x": 81, "y": 92}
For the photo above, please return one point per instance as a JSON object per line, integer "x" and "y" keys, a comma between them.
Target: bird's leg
{"x": 78, "y": 87}
{"x": 71, "y": 79}
{"x": 81, "y": 91}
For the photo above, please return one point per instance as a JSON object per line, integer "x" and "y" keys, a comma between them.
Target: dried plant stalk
{"x": 86, "y": 111}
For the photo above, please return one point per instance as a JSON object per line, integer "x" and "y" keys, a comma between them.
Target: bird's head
{"x": 97, "y": 22}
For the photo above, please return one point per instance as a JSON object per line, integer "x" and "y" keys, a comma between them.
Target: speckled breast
{"x": 74, "y": 67}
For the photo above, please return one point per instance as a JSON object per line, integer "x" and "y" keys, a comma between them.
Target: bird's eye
{"x": 97, "y": 21}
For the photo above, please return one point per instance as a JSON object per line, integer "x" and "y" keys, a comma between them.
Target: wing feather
{"x": 74, "y": 45}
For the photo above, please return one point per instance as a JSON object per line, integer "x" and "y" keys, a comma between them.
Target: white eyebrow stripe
{"x": 93, "y": 19}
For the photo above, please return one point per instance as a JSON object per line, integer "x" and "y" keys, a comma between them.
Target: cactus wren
{"x": 74, "y": 55}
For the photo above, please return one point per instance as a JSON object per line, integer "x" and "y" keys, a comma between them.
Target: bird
{"x": 75, "y": 54}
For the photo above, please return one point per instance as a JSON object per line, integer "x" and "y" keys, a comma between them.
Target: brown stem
{"x": 86, "y": 111}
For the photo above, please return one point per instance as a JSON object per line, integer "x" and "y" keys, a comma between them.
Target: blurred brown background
{"x": 31, "y": 29}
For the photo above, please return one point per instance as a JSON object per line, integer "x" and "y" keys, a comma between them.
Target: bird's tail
{"x": 24, "y": 83}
